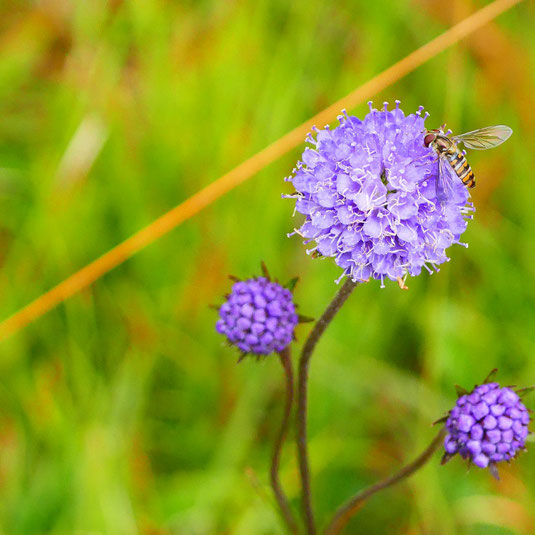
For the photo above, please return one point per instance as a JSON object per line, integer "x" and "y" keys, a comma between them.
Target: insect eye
{"x": 428, "y": 139}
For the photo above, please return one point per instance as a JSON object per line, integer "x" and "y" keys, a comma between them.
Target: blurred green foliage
{"x": 121, "y": 411}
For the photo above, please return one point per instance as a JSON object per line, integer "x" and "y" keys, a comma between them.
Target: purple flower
{"x": 258, "y": 316}
{"x": 487, "y": 426}
{"x": 367, "y": 190}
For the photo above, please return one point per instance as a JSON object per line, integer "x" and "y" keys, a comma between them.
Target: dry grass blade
{"x": 187, "y": 209}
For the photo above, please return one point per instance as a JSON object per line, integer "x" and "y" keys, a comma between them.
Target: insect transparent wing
{"x": 484, "y": 138}
{"x": 445, "y": 180}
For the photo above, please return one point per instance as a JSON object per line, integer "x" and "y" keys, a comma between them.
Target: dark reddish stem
{"x": 302, "y": 386}
{"x": 344, "y": 513}
{"x": 281, "y": 498}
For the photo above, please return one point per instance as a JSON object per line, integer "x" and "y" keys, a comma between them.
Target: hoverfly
{"x": 452, "y": 163}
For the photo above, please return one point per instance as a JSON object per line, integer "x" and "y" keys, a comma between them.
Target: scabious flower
{"x": 367, "y": 190}
{"x": 487, "y": 426}
{"x": 258, "y": 316}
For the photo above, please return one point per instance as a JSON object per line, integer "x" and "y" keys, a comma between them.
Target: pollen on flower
{"x": 367, "y": 190}
{"x": 258, "y": 316}
{"x": 487, "y": 426}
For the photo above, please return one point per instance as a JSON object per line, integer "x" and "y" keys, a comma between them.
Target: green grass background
{"x": 121, "y": 411}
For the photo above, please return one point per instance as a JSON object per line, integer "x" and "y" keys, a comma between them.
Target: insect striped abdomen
{"x": 461, "y": 167}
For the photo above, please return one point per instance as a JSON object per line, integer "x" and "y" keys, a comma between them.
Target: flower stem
{"x": 346, "y": 511}
{"x": 306, "y": 354}
{"x": 281, "y": 498}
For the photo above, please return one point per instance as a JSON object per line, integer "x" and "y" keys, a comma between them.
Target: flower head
{"x": 258, "y": 316}
{"x": 487, "y": 426}
{"x": 367, "y": 190}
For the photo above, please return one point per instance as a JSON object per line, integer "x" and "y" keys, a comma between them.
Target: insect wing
{"x": 445, "y": 180}
{"x": 484, "y": 138}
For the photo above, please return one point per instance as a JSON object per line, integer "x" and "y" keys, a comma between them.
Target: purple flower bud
{"x": 451, "y": 445}
{"x": 465, "y": 423}
{"x": 481, "y": 460}
{"x": 480, "y": 410}
{"x": 473, "y": 446}
{"x": 494, "y": 436}
{"x": 490, "y": 422}
{"x": 491, "y": 397}
{"x": 484, "y": 388}
{"x": 497, "y": 410}
{"x": 487, "y": 426}
{"x": 258, "y": 316}
{"x": 488, "y": 448}
{"x": 260, "y": 301}
{"x": 463, "y": 400}
{"x": 368, "y": 193}
{"x": 513, "y": 413}
{"x": 503, "y": 447}
{"x": 519, "y": 429}
{"x": 243, "y": 324}
{"x": 508, "y": 397}
{"x": 505, "y": 423}
{"x": 247, "y": 311}
{"x": 476, "y": 433}
{"x": 474, "y": 398}
{"x": 508, "y": 436}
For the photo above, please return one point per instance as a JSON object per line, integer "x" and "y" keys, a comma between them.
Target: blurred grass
{"x": 121, "y": 411}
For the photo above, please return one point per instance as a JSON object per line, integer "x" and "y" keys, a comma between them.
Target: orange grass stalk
{"x": 206, "y": 196}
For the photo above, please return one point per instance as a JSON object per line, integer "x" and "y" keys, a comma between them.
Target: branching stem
{"x": 346, "y": 511}
{"x": 306, "y": 354}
